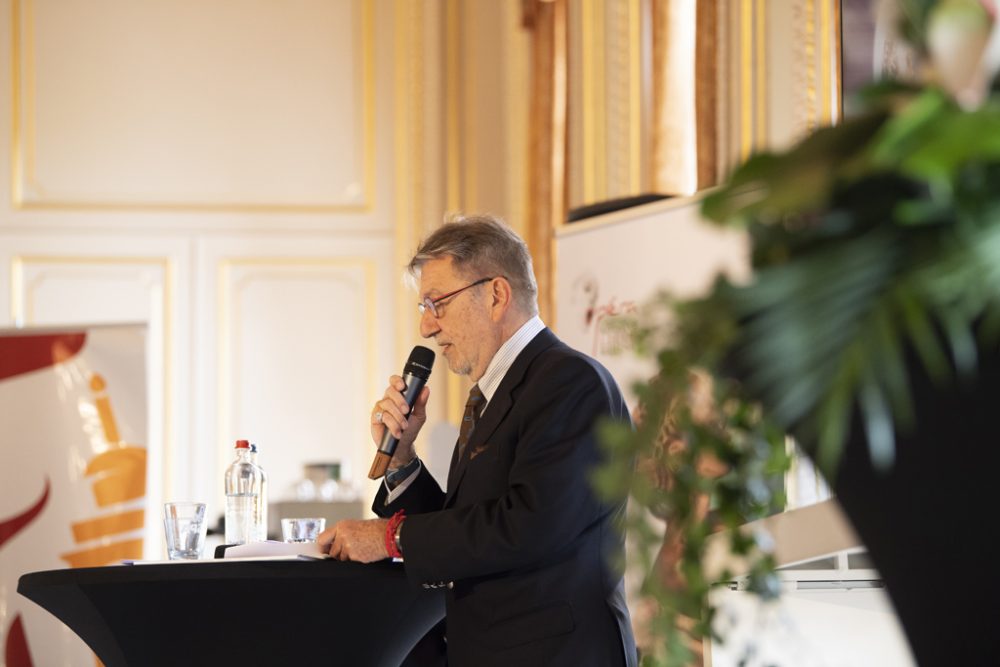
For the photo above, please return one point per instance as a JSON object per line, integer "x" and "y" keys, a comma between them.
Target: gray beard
{"x": 461, "y": 370}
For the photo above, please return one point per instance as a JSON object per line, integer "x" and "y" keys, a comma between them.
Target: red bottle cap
{"x": 242, "y": 444}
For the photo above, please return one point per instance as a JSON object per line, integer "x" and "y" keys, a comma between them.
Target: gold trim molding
{"x": 409, "y": 143}
{"x": 594, "y": 40}
{"x": 753, "y": 77}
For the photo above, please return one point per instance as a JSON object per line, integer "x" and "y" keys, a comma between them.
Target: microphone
{"x": 415, "y": 374}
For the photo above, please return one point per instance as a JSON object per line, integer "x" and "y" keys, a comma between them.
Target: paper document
{"x": 270, "y": 550}
{"x": 130, "y": 561}
{"x": 275, "y": 549}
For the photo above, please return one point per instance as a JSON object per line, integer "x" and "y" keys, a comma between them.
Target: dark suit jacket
{"x": 519, "y": 531}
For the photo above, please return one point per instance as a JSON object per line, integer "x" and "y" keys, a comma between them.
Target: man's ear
{"x": 501, "y": 295}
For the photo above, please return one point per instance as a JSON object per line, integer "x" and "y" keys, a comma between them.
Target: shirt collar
{"x": 505, "y": 356}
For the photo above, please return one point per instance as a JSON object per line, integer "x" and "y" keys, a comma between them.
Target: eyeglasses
{"x": 432, "y": 304}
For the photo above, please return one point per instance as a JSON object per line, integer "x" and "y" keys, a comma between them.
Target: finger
{"x": 343, "y": 550}
{"x": 337, "y": 547}
{"x": 394, "y": 392}
{"x": 377, "y": 421}
{"x": 395, "y": 423}
{"x": 325, "y": 538}
{"x": 393, "y": 399}
{"x": 396, "y": 382}
{"x": 420, "y": 405}
{"x": 382, "y": 419}
{"x": 400, "y": 418}
{"x": 376, "y": 427}
{"x": 392, "y": 418}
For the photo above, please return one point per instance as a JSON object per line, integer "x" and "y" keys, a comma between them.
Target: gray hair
{"x": 482, "y": 246}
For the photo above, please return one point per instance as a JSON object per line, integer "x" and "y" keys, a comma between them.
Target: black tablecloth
{"x": 292, "y": 612}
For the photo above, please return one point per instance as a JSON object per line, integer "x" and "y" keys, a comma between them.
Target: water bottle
{"x": 260, "y": 507}
{"x": 246, "y": 499}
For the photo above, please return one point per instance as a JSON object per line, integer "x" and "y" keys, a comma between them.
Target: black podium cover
{"x": 276, "y": 612}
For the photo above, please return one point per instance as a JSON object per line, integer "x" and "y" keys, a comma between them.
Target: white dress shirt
{"x": 488, "y": 384}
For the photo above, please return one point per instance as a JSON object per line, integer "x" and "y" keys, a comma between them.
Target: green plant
{"x": 874, "y": 243}
{"x": 892, "y": 243}
{"x": 697, "y": 438}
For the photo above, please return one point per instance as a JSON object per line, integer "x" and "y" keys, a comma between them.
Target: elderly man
{"x": 518, "y": 537}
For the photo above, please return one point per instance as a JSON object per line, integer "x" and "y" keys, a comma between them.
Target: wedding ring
{"x": 378, "y": 417}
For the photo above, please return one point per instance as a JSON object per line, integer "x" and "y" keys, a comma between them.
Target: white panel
{"x": 667, "y": 246}
{"x": 167, "y": 102}
{"x": 297, "y": 346}
{"x": 828, "y": 628}
{"x": 56, "y": 290}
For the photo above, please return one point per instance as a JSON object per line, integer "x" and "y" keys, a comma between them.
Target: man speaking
{"x": 518, "y": 538}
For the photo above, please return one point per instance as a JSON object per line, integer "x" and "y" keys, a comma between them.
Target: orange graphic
{"x": 108, "y": 525}
{"x": 120, "y": 476}
{"x": 104, "y": 554}
{"x": 97, "y": 385}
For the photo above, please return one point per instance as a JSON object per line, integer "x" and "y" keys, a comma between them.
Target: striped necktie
{"x": 473, "y": 407}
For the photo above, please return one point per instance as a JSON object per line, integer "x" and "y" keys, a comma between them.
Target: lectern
{"x": 262, "y": 612}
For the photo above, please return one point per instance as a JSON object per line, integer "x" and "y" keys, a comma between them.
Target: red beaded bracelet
{"x": 390, "y": 534}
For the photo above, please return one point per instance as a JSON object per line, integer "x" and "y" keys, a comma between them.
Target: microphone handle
{"x": 386, "y": 448}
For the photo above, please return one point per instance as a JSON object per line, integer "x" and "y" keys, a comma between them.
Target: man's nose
{"x": 428, "y": 324}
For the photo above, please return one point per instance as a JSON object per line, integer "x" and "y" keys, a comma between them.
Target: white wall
{"x": 222, "y": 172}
{"x": 836, "y": 627}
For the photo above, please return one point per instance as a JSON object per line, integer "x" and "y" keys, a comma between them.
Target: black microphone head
{"x": 420, "y": 362}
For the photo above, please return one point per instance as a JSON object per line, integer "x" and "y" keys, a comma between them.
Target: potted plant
{"x": 869, "y": 331}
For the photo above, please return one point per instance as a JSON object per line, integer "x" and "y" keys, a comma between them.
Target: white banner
{"x": 608, "y": 267}
{"x": 72, "y": 470}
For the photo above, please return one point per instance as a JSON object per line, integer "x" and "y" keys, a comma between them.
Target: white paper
{"x": 275, "y": 549}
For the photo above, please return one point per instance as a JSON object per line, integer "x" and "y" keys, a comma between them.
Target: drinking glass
{"x": 185, "y": 528}
{"x": 305, "y": 529}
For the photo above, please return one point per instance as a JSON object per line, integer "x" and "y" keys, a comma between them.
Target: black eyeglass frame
{"x": 432, "y": 304}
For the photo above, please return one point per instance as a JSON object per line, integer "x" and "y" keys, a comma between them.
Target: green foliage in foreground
{"x": 875, "y": 248}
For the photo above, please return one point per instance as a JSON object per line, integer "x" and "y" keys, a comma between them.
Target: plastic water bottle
{"x": 246, "y": 498}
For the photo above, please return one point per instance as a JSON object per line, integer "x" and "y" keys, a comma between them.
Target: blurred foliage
{"x": 914, "y": 17}
{"x": 875, "y": 246}
{"x": 720, "y": 429}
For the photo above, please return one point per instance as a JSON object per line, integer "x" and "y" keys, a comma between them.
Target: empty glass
{"x": 185, "y": 527}
{"x": 302, "y": 530}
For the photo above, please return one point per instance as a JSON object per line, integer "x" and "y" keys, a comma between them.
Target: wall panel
{"x": 163, "y": 104}
{"x": 296, "y": 345}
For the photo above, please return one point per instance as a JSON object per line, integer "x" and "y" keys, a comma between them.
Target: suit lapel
{"x": 498, "y": 408}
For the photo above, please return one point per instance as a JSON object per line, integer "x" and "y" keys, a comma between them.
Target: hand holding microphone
{"x": 399, "y": 414}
